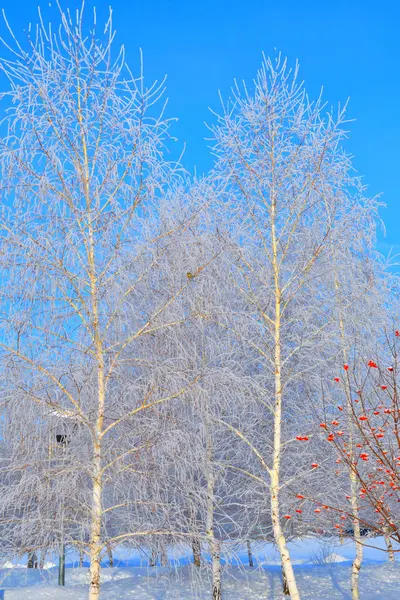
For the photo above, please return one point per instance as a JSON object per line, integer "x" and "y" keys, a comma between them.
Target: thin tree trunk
{"x": 96, "y": 518}
{"x": 196, "y": 548}
{"x": 357, "y": 562}
{"x": 32, "y": 560}
{"x": 42, "y": 558}
{"x": 354, "y": 490}
{"x": 215, "y": 548}
{"x": 280, "y": 541}
{"x": 95, "y": 532}
{"x": 110, "y": 554}
{"x": 81, "y": 557}
{"x": 389, "y": 547}
{"x": 196, "y": 545}
{"x": 214, "y": 544}
{"x": 61, "y": 564}
{"x": 250, "y": 554}
{"x": 276, "y": 463}
{"x": 153, "y": 558}
{"x": 164, "y": 558}
{"x": 354, "y": 487}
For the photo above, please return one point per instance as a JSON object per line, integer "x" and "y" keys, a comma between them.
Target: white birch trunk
{"x": 215, "y": 549}
{"x": 213, "y": 543}
{"x": 357, "y": 562}
{"x": 276, "y": 462}
{"x": 389, "y": 548}
{"x": 95, "y": 530}
{"x": 354, "y": 488}
{"x": 280, "y": 540}
{"x": 97, "y": 478}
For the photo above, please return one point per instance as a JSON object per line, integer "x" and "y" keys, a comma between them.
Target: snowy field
{"x": 330, "y": 580}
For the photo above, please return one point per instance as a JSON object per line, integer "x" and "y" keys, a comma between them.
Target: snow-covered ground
{"x": 329, "y": 580}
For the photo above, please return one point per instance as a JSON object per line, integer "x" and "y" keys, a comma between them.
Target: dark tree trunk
{"x": 110, "y": 554}
{"x": 250, "y": 554}
{"x": 32, "y": 560}
{"x": 285, "y": 586}
{"x": 196, "y": 548}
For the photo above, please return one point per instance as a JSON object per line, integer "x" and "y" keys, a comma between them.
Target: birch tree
{"x": 286, "y": 187}
{"x": 361, "y": 294}
{"x": 83, "y": 178}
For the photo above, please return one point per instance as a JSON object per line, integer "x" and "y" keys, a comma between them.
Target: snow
{"x": 327, "y": 579}
{"x": 332, "y": 557}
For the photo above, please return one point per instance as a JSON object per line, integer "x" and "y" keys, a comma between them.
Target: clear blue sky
{"x": 350, "y": 47}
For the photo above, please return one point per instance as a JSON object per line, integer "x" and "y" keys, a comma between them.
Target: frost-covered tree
{"x": 362, "y": 300}
{"x": 165, "y": 344}
{"x": 288, "y": 195}
{"x": 84, "y": 233}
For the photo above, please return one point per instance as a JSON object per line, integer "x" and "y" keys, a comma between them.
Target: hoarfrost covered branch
{"x": 166, "y": 342}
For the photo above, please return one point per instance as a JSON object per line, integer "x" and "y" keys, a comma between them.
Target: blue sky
{"x": 351, "y": 48}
